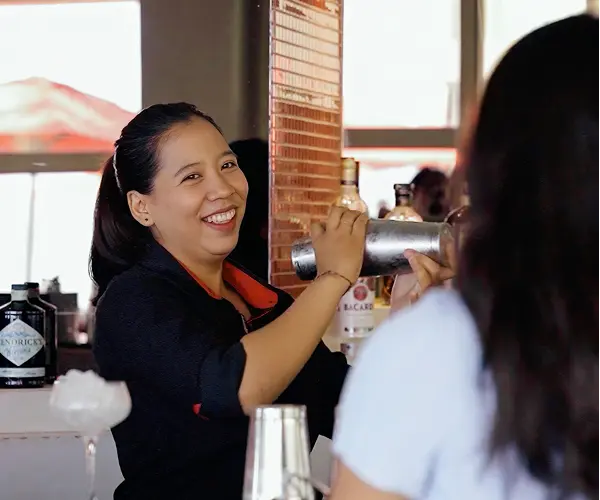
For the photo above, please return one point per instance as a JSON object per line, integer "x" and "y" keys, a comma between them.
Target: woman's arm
{"x": 277, "y": 352}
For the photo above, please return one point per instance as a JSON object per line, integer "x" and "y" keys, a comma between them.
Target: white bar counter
{"x": 42, "y": 459}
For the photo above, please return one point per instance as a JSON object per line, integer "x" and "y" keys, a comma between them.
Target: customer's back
{"x": 490, "y": 391}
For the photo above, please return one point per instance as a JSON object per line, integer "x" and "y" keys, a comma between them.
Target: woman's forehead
{"x": 190, "y": 142}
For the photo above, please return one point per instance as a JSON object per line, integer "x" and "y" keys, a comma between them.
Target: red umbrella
{"x": 40, "y": 116}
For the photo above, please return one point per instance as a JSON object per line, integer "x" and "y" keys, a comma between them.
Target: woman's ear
{"x": 139, "y": 208}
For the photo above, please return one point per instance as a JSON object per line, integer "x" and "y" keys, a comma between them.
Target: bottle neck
{"x": 348, "y": 187}
{"x": 403, "y": 201}
{"x": 33, "y": 293}
{"x": 18, "y": 295}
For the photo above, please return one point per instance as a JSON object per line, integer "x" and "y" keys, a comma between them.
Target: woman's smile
{"x": 224, "y": 220}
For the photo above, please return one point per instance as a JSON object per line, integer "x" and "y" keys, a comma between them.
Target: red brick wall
{"x": 305, "y": 130}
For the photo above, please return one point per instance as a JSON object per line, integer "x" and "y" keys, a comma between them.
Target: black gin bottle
{"x": 22, "y": 342}
{"x": 49, "y": 330}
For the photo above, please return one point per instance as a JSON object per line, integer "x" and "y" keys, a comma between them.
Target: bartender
{"x": 199, "y": 341}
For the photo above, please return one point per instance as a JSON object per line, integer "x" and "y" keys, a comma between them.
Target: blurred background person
{"x": 429, "y": 194}
{"x": 490, "y": 391}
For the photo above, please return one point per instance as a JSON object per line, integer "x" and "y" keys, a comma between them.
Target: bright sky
{"x": 92, "y": 47}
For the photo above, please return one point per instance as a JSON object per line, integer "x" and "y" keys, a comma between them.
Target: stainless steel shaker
{"x": 384, "y": 251}
{"x": 277, "y": 456}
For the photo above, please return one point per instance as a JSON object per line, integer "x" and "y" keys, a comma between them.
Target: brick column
{"x": 305, "y": 130}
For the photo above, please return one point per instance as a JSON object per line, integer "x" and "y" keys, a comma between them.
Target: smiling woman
{"x": 200, "y": 341}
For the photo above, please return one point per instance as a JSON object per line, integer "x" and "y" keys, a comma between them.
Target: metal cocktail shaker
{"x": 386, "y": 242}
{"x": 277, "y": 456}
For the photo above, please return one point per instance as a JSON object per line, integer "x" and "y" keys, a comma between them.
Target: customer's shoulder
{"x": 438, "y": 329}
{"x": 437, "y": 308}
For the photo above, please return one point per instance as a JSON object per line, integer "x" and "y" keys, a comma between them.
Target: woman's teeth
{"x": 222, "y": 218}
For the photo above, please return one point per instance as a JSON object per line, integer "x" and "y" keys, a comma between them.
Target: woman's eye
{"x": 229, "y": 164}
{"x": 191, "y": 177}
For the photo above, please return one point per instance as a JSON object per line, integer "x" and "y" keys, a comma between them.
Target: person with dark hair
{"x": 252, "y": 250}
{"x": 199, "y": 340}
{"x": 495, "y": 383}
{"x": 429, "y": 194}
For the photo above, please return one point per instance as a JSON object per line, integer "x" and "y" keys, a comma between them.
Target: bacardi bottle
{"x": 22, "y": 343}
{"x": 50, "y": 324}
{"x": 354, "y": 320}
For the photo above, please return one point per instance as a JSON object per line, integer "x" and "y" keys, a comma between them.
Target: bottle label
{"x": 22, "y": 372}
{"x": 355, "y": 310}
{"x": 19, "y": 342}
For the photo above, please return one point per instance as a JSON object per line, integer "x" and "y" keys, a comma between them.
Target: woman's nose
{"x": 219, "y": 188}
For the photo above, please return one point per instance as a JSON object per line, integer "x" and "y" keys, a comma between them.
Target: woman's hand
{"x": 340, "y": 245}
{"x": 426, "y": 273}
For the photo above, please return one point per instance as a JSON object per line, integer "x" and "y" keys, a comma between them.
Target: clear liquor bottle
{"x": 349, "y": 196}
{"x": 22, "y": 342}
{"x": 50, "y": 325}
{"x": 403, "y": 211}
{"x": 354, "y": 319}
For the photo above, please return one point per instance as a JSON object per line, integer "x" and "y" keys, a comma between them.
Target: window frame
{"x": 470, "y": 86}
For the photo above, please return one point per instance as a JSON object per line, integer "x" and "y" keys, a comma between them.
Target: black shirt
{"x": 177, "y": 346}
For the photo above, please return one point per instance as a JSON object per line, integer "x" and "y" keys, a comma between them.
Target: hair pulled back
{"x": 118, "y": 239}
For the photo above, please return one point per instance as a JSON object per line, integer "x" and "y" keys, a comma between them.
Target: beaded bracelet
{"x": 335, "y": 273}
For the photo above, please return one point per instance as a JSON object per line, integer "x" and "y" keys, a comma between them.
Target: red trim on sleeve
{"x": 196, "y": 409}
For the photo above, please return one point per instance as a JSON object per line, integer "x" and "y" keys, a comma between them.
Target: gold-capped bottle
{"x": 354, "y": 319}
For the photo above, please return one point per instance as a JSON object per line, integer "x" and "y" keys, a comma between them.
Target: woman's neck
{"x": 208, "y": 272}
{"x": 210, "y": 275}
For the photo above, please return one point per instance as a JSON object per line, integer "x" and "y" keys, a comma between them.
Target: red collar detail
{"x": 252, "y": 291}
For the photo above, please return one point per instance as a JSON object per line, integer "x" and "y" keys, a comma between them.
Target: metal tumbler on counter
{"x": 277, "y": 456}
{"x": 384, "y": 251}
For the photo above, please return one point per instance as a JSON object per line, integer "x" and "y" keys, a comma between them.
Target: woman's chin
{"x": 222, "y": 248}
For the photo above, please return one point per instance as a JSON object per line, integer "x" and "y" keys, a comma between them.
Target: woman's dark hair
{"x": 119, "y": 240}
{"x": 529, "y": 266}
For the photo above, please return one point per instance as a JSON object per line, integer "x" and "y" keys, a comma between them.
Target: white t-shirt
{"x": 417, "y": 410}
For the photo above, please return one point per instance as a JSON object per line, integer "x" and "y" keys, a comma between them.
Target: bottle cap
{"x": 32, "y": 285}
{"x": 19, "y": 287}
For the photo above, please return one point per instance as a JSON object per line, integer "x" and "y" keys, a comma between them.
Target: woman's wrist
{"x": 341, "y": 282}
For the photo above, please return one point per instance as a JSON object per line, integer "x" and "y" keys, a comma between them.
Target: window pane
{"x": 401, "y": 63}
{"x": 72, "y": 79}
{"x": 506, "y": 21}
{"x": 15, "y": 192}
{"x": 63, "y": 224}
